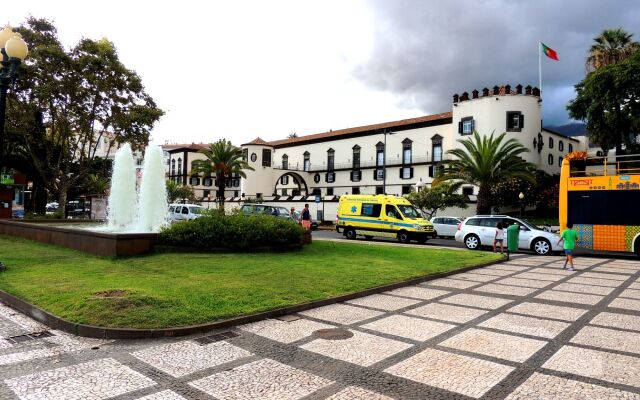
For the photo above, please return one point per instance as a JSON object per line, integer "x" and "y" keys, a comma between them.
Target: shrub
{"x": 235, "y": 231}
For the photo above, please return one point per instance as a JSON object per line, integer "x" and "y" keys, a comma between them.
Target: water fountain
{"x": 133, "y": 219}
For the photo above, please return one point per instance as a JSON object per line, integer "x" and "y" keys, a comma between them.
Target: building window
{"x": 406, "y": 173}
{"x": 316, "y": 178}
{"x": 378, "y": 174}
{"x": 560, "y": 145}
{"x": 307, "y": 161}
{"x": 436, "y": 148}
{"x": 284, "y": 191}
{"x": 254, "y": 157}
{"x": 550, "y": 142}
{"x": 285, "y": 161}
{"x": 173, "y": 167}
{"x": 266, "y": 157}
{"x": 194, "y": 181}
{"x": 245, "y": 154}
{"x": 356, "y": 176}
{"x": 206, "y": 193}
{"x": 179, "y": 166}
{"x": 550, "y": 159}
{"x": 406, "y": 189}
{"x": 316, "y": 192}
{"x": 560, "y": 161}
{"x": 355, "y": 190}
{"x": 356, "y": 157}
{"x": 570, "y": 148}
{"x": 284, "y": 180}
{"x": 379, "y": 154}
{"x": 330, "y": 177}
{"x": 330, "y": 191}
{"x": 515, "y": 121}
{"x": 466, "y": 126}
{"x": 406, "y": 152}
{"x": 467, "y": 190}
{"x": 330, "y": 159}
{"x": 379, "y": 190}
{"x": 207, "y": 181}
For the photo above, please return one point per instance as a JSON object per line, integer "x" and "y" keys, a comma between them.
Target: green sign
{"x": 6, "y": 179}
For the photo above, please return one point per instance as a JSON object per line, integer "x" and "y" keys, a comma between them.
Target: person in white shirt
{"x": 499, "y": 238}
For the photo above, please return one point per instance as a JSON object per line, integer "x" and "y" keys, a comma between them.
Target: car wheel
{"x": 403, "y": 237}
{"x": 541, "y": 247}
{"x": 368, "y": 237}
{"x": 350, "y": 233}
{"x": 435, "y": 234}
{"x": 472, "y": 242}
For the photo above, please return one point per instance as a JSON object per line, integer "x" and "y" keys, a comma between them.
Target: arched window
{"x": 379, "y": 154}
{"x": 173, "y": 167}
{"x": 330, "y": 159}
{"x": 179, "y": 166}
{"x": 560, "y": 161}
{"x": 307, "y": 161}
{"x": 570, "y": 148}
{"x": 550, "y": 159}
{"x": 285, "y": 161}
{"x": 550, "y": 142}
{"x": 560, "y": 145}
{"x": 356, "y": 157}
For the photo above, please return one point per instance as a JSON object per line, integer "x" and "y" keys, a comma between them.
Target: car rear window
{"x": 473, "y": 222}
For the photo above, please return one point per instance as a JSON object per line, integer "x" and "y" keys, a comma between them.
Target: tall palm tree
{"x": 611, "y": 46}
{"x": 222, "y": 160}
{"x": 485, "y": 161}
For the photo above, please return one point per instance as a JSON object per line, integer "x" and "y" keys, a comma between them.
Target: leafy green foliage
{"x": 223, "y": 160}
{"x": 608, "y": 99}
{"x": 66, "y": 102}
{"x": 437, "y": 198}
{"x": 610, "y": 47}
{"x": 216, "y": 230}
{"x": 543, "y": 195}
{"x": 486, "y": 161}
{"x": 177, "y": 192}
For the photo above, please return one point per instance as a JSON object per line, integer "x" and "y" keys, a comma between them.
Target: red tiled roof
{"x": 191, "y": 146}
{"x": 344, "y": 132}
{"x": 258, "y": 141}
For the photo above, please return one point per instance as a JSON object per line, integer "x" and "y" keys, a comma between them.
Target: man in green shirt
{"x": 569, "y": 236}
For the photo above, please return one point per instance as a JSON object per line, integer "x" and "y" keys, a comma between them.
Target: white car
{"x": 445, "y": 226}
{"x": 183, "y": 212}
{"x": 480, "y": 230}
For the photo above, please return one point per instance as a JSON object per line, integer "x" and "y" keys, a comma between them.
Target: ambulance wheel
{"x": 350, "y": 233}
{"x": 403, "y": 237}
{"x": 368, "y": 237}
{"x": 636, "y": 246}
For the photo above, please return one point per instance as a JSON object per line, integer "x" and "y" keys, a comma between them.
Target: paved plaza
{"x": 524, "y": 329}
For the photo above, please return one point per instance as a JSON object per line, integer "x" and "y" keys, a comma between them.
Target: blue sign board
{"x": 318, "y": 199}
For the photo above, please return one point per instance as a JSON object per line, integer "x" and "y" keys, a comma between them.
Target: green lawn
{"x": 166, "y": 290}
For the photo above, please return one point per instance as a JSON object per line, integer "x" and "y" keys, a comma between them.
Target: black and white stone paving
{"x": 524, "y": 329}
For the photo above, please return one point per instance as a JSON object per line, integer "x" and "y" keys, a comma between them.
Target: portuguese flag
{"x": 549, "y": 52}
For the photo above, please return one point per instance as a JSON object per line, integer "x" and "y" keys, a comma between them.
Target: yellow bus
{"x": 601, "y": 197}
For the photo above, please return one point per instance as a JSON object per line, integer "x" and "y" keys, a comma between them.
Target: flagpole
{"x": 540, "y": 68}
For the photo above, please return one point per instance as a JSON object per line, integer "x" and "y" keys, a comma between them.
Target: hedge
{"x": 215, "y": 230}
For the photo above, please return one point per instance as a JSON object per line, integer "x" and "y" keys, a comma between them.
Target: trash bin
{"x": 513, "y": 234}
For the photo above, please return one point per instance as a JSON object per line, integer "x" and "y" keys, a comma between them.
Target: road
{"x": 332, "y": 234}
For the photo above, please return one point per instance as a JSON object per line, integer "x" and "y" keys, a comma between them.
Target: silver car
{"x": 445, "y": 226}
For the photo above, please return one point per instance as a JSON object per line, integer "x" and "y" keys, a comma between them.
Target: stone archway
{"x": 297, "y": 180}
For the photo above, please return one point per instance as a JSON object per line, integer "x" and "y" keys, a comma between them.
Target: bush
{"x": 236, "y": 231}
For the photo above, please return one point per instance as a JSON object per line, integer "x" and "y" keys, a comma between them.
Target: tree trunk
{"x": 221, "y": 187}
{"x": 484, "y": 200}
{"x": 62, "y": 202}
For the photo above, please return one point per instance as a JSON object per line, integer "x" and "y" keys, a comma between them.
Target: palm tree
{"x": 222, "y": 160}
{"x": 485, "y": 161}
{"x": 611, "y": 46}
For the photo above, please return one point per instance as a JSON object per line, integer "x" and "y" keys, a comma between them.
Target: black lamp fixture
{"x": 539, "y": 143}
{"x": 14, "y": 50}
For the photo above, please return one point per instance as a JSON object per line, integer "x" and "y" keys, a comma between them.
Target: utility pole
{"x": 384, "y": 163}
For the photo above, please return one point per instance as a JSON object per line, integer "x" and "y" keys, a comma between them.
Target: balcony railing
{"x": 391, "y": 162}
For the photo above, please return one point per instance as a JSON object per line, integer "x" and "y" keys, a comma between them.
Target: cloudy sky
{"x": 241, "y": 69}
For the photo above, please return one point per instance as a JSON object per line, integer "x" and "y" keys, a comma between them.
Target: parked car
{"x": 445, "y": 226}
{"x": 263, "y": 209}
{"x": 479, "y": 230}
{"x": 184, "y": 212}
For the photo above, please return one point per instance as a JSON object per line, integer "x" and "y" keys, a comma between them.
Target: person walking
{"x": 569, "y": 236}
{"x": 306, "y": 217}
{"x": 293, "y": 214}
{"x": 499, "y": 238}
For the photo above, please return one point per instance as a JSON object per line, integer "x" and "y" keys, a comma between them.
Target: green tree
{"x": 223, "y": 160}
{"x": 437, "y": 198}
{"x": 483, "y": 162}
{"x": 610, "y": 47}
{"x": 608, "y": 100}
{"x": 74, "y": 99}
{"x": 96, "y": 184}
{"x": 177, "y": 192}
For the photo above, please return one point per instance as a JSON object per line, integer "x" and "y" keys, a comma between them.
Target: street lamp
{"x": 14, "y": 50}
{"x": 521, "y": 197}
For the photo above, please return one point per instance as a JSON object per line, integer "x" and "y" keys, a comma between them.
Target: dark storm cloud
{"x": 427, "y": 50}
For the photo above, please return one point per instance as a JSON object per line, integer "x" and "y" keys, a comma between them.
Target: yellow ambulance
{"x": 381, "y": 215}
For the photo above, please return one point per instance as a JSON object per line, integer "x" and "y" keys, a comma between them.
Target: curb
{"x": 91, "y": 331}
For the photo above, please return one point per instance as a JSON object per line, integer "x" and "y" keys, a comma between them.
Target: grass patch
{"x": 168, "y": 290}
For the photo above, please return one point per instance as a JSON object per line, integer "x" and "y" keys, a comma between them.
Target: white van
{"x": 182, "y": 212}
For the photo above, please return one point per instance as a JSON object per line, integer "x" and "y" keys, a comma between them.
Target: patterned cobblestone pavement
{"x": 525, "y": 329}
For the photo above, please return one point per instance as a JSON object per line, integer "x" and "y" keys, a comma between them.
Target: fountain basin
{"x": 98, "y": 243}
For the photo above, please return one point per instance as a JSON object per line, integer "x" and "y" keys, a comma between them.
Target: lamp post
{"x": 14, "y": 50}
{"x": 521, "y": 197}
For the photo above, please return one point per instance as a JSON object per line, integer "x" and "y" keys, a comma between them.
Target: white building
{"x": 392, "y": 157}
